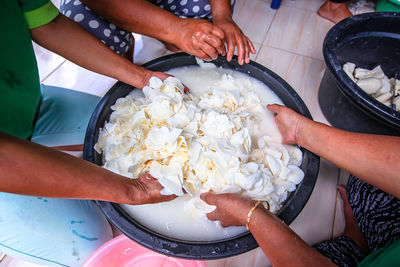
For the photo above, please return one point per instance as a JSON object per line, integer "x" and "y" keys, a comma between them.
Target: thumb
{"x": 274, "y": 107}
{"x": 209, "y": 198}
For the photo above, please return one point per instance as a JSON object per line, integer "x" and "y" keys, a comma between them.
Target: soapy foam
{"x": 189, "y": 223}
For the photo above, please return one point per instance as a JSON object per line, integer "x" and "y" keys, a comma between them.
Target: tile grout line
{"x": 294, "y": 53}
{"x": 265, "y": 37}
{"x": 302, "y": 8}
{"x": 269, "y": 28}
{"x": 48, "y": 75}
{"x": 312, "y": 11}
{"x": 257, "y": 51}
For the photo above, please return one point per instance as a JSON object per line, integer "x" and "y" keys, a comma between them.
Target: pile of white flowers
{"x": 198, "y": 144}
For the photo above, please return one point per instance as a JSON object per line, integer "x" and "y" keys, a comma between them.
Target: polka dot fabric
{"x": 198, "y": 9}
{"x": 121, "y": 40}
{"x": 116, "y": 38}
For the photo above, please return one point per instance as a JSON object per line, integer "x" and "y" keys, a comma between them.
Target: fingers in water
{"x": 213, "y": 216}
{"x": 274, "y": 107}
{"x": 209, "y": 198}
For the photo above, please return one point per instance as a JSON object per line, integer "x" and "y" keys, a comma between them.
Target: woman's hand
{"x": 200, "y": 38}
{"x": 161, "y": 75}
{"x": 147, "y": 74}
{"x": 289, "y": 123}
{"x": 146, "y": 190}
{"x": 235, "y": 37}
{"x": 231, "y": 210}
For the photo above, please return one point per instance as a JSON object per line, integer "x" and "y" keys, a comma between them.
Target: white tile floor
{"x": 289, "y": 42}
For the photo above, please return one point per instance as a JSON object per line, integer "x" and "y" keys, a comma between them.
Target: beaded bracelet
{"x": 251, "y": 212}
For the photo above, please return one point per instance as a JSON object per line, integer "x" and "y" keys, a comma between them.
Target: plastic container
{"x": 212, "y": 249}
{"x": 123, "y": 252}
{"x": 367, "y": 40}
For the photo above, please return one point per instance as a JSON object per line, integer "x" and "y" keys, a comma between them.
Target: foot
{"x": 334, "y": 12}
{"x": 351, "y": 229}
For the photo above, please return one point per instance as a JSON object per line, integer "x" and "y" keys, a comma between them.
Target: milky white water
{"x": 174, "y": 218}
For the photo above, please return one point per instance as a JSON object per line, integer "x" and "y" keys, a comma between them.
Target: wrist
{"x": 258, "y": 215}
{"x": 147, "y": 74}
{"x": 117, "y": 189}
{"x": 127, "y": 192}
{"x": 300, "y": 130}
{"x": 137, "y": 76}
{"x": 222, "y": 18}
{"x": 173, "y": 32}
{"x": 131, "y": 193}
{"x": 221, "y": 10}
{"x": 254, "y": 206}
{"x": 246, "y": 210}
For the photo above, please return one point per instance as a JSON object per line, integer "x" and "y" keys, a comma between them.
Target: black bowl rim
{"x": 166, "y": 245}
{"x": 350, "y": 89}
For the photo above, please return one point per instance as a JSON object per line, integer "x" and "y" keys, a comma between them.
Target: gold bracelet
{"x": 251, "y": 213}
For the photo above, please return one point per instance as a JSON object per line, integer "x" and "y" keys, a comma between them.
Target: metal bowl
{"x": 189, "y": 249}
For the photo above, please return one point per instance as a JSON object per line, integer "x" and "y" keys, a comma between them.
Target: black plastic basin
{"x": 200, "y": 250}
{"x": 367, "y": 40}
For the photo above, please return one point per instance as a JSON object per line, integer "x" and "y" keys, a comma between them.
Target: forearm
{"x": 69, "y": 40}
{"x": 372, "y": 158}
{"x": 138, "y": 16}
{"x": 30, "y": 169}
{"x": 221, "y": 9}
{"x": 282, "y": 246}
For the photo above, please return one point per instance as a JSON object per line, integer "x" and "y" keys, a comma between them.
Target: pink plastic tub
{"x": 123, "y": 252}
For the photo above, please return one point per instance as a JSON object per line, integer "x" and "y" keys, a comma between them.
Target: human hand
{"x": 289, "y": 123}
{"x": 146, "y": 190}
{"x": 200, "y": 38}
{"x": 162, "y": 76}
{"x": 235, "y": 37}
{"x": 232, "y": 209}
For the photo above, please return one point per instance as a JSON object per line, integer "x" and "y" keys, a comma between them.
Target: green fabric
{"x": 28, "y": 5}
{"x": 384, "y": 257}
{"x": 41, "y": 16}
{"x": 388, "y": 6}
{"x": 19, "y": 78}
{"x": 396, "y": 2}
